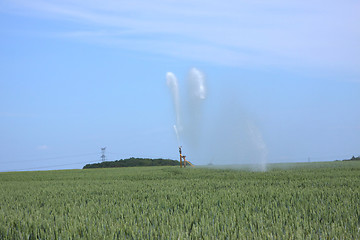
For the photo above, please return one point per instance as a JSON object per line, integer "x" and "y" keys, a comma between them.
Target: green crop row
{"x": 318, "y": 201}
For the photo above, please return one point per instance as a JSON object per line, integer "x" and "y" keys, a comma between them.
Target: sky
{"x": 282, "y": 81}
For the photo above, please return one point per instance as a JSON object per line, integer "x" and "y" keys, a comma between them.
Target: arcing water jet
{"x": 196, "y": 96}
{"x": 172, "y": 83}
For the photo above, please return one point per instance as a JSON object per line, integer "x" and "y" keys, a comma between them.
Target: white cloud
{"x": 282, "y": 33}
{"x": 42, "y": 147}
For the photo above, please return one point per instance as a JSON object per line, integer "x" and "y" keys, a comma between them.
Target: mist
{"x": 194, "y": 114}
{"x": 217, "y": 132}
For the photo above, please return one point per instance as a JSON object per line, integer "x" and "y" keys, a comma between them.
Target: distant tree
{"x": 353, "y": 158}
{"x": 134, "y": 162}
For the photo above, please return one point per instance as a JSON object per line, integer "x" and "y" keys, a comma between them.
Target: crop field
{"x": 306, "y": 201}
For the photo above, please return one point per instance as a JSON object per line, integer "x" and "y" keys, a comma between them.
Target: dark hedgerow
{"x": 134, "y": 162}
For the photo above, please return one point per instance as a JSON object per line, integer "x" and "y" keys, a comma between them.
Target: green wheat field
{"x": 301, "y": 201}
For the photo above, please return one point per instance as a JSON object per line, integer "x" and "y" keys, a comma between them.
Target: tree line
{"x": 353, "y": 159}
{"x": 134, "y": 162}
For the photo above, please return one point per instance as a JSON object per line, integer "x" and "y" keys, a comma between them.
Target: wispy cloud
{"x": 42, "y": 147}
{"x": 316, "y": 34}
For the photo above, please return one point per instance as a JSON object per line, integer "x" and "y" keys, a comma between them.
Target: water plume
{"x": 260, "y": 147}
{"x": 196, "y": 83}
{"x": 177, "y": 135}
{"x": 172, "y": 83}
{"x": 196, "y": 96}
{"x": 234, "y": 139}
{"x": 224, "y": 136}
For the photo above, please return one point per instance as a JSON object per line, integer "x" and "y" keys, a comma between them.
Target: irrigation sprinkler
{"x": 183, "y": 160}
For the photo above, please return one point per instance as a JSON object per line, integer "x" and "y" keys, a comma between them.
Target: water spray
{"x": 172, "y": 83}
{"x": 197, "y": 93}
{"x": 177, "y": 134}
{"x": 241, "y": 140}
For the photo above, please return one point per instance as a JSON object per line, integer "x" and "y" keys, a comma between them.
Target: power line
{"x": 103, "y": 158}
{"x": 53, "y": 158}
{"x": 329, "y": 157}
{"x": 52, "y": 166}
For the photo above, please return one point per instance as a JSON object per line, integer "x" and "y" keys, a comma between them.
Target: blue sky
{"x": 76, "y": 76}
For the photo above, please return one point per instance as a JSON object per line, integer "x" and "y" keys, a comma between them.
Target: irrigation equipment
{"x": 183, "y": 160}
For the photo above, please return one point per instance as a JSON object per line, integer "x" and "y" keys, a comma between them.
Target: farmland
{"x": 308, "y": 200}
